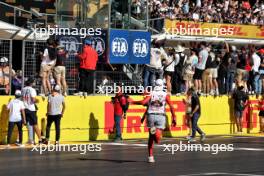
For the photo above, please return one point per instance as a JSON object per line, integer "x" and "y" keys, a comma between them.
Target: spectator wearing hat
{"x": 16, "y": 117}
{"x": 88, "y": 60}
{"x": 55, "y": 110}
{"x": 178, "y": 74}
{"x": 60, "y": 69}
{"x": 5, "y": 74}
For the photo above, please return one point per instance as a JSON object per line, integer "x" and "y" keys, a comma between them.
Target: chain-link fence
{"x": 5, "y": 66}
{"x": 31, "y": 60}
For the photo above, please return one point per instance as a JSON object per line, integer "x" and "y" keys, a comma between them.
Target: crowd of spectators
{"x": 211, "y": 69}
{"x": 218, "y": 11}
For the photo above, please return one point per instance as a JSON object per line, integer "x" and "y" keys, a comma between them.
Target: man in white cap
{"x": 55, "y": 111}
{"x": 156, "y": 114}
{"x": 16, "y": 117}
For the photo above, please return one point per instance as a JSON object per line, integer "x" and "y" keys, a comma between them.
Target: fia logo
{"x": 99, "y": 45}
{"x": 119, "y": 47}
{"x": 140, "y": 48}
{"x": 71, "y": 44}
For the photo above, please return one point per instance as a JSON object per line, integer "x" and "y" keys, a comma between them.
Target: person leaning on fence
{"x": 55, "y": 110}
{"x": 16, "y": 117}
{"x": 5, "y": 74}
{"x": 60, "y": 69}
{"x": 88, "y": 61}
{"x": 47, "y": 65}
{"x": 154, "y": 69}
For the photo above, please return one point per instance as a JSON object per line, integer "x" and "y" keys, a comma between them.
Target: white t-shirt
{"x": 15, "y": 106}
{"x": 28, "y": 93}
{"x": 157, "y": 102}
{"x": 46, "y": 59}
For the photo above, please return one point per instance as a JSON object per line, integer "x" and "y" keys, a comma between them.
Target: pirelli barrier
{"x": 91, "y": 118}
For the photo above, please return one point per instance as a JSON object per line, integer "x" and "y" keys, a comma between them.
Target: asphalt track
{"x": 129, "y": 158}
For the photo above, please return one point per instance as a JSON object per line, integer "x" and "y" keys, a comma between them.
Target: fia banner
{"x": 129, "y": 47}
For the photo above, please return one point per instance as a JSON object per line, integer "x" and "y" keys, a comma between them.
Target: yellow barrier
{"x": 215, "y": 29}
{"x": 92, "y": 119}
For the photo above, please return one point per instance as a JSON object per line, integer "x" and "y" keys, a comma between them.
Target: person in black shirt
{"x": 240, "y": 102}
{"x": 195, "y": 115}
{"x": 60, "y": 69}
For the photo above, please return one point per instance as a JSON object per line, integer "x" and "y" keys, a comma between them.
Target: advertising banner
{"x": 129, "y": 47}
{"x": 74, "y": 43}
{"x": 92, "y": 118}
{"x": 191, "y": 28}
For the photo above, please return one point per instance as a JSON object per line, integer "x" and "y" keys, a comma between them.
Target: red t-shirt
{"x": 119, "y": 101}
{"x": 88, "y": 58}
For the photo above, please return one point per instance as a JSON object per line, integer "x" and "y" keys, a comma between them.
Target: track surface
{"x": 129, "y": 158}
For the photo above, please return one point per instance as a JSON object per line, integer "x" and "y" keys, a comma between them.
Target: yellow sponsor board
{"x": 91, "y": 118}
{"x": 190, "y": 28}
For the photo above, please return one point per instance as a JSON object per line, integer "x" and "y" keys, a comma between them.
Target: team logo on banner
{"x": 140, "y": 48}
{"x": 119, "y": 47}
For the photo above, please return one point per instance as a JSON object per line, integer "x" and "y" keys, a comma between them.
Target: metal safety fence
{"x": 6, "y": 68}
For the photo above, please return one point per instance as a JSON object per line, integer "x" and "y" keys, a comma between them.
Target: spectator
{"x": 136, "y": 8}
{"x": 232, "y": 69}
{"x": 88, "y": 61}
{"x": 5, "y": 74}
{"x": 256, "y": 64}
{"x": 214, "y": 72}
{"x": 203, "y": 55}
{"x": 60, "y": 69}
{"x": 178, "y": 75}
{"x": 47, "y": 65}
{"x": 16, "y": 117}
{"x": 240, "y": 102}
{"x": 17, "y": 81}
{"x": 208, "y": 75}
{"x": 154, "y": 70}
{"x": 55, "y": 110}
{"x": 169, "y": 68}
{"x": 195, "y": 115}
{"x": 242, "y": 74}
{"x": 188, "y": 70}
{"x": 29, "y": 98}
{"x": 120, "y": 109}
{"x": 261, "y": 69}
